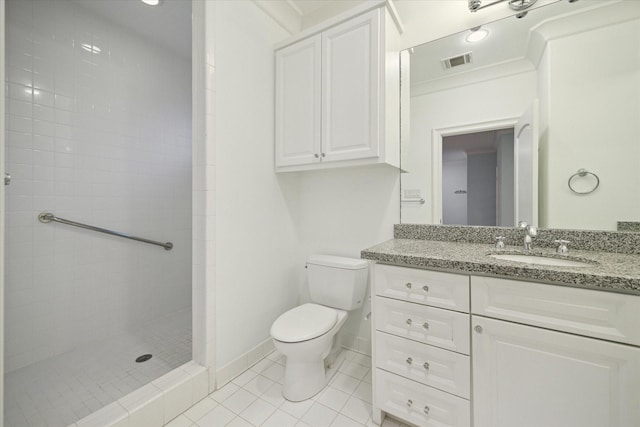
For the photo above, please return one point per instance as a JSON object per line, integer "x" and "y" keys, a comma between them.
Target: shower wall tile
{"x": 101, "y": 139}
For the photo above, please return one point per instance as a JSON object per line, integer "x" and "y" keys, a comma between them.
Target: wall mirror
{"x": 539, "y": 121}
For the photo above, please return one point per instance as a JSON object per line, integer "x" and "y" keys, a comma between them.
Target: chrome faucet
{"x": 530, "y": 232}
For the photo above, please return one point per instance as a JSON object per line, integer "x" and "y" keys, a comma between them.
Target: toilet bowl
{"x": 306, "y": 334}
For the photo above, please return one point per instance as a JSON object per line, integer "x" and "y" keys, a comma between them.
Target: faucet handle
{"x": 532, "y": 230}
{"x": 522, "y": 224}
{"x": 562, "y": 246}
{"x": 500, "y": 242}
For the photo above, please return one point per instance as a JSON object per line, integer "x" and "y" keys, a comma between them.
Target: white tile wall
{"x": 103, "y": 139}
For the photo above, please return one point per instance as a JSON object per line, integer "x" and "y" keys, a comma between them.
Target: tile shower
{"x": 98, "y": 131}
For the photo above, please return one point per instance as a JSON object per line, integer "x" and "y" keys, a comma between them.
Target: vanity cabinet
{"x": 421, "y": 346}
{"x": 332, "y": 97}
{"x": 502, "y": 353}
{"x": 547, "y": 374}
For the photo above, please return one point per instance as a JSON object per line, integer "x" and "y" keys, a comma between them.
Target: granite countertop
{"x": 607, "y": 271}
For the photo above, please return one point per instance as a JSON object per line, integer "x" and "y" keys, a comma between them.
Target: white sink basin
{"x": 540, "y": 260}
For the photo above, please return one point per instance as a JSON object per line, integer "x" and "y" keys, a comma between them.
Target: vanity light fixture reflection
{"x": 477, "y": 34}
{"x": 152, "y": 2}
{"x": 517, "y": 5}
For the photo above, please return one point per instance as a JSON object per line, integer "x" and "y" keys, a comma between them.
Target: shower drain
{"x": 143, "y": 358}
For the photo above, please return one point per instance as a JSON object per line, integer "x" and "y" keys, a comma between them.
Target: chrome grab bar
{"x": 47, "y": 217}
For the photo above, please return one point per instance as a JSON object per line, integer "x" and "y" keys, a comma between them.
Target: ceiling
{"x": 306, "y": 7}
{"x": 168, "y": 25}
{"x": 511, "y": 42}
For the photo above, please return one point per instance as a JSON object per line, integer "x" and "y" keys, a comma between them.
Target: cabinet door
{"x": 351, "y": 89}
{"x": 530, "y": 377}
{"x": 298, "y": 112}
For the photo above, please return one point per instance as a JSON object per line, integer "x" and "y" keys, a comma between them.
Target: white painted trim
{"x": 358, "y": 10}
{"x": 286, "y": 14}
{"x": 437, "y": 136}
{"x": 393, "y": 12}
{"x": 240, "y": 364}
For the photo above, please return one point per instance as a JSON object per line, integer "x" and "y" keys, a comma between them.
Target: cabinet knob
{"x": 409, "y": 361}
{"x": 426, "y": 410}
{"x": 426, "y": 365}
{"x": 316, "y": 155}
{"x": 322, "y": 154}
{"x": 425, "y": 325}
{"x": 478, "y": 329}
{"x": 409, "y": 402}
{"x": 408, "y": 285}
{"x": 409, "y": 322}
{"x": 425, "y": 288}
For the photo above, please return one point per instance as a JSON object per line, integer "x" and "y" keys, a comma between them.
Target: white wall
{"x": 258, "y": 263}
{"x": 602, "y": 64}
{"x": 267, "y": 224}
{"x": 504, "y": 98}
{"x": 101, "y": 139}
{"x": 343, "y": 211}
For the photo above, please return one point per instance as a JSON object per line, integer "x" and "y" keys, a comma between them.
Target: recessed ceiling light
{"x": 91, "y": 48}
{"x": 476, "y": 35}
{"x": 152, "y": 2}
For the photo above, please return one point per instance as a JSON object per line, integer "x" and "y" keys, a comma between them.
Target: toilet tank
{"x": 337, "y": 282}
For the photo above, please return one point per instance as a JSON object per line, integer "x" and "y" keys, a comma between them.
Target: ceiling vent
{"x": 456, "y": 61}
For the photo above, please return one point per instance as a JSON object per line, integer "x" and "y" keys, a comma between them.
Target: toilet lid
{"x": 303, "y": 323}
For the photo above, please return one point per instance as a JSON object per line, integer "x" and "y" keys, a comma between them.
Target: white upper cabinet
{"x": 298, "y": 101}
{"x": 331, "y": 101}
{"x": 351, "y": 89}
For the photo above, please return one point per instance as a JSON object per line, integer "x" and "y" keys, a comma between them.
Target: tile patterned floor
{"x": 61, "y": 390}
{"x": 254, "y": 398}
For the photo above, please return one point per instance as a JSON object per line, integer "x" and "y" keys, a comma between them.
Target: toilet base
{"x": 304, "y": 380}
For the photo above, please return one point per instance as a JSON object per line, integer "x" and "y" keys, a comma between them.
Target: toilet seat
{"x": 303, "y": 323}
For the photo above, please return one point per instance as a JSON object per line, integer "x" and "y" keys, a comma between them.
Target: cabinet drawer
{"x": 442, "y": 328}
{"x": 419, "y": 404}
{"x": 443, "y": 369}
{"x": 444, "y": 290}
{"x": 598, "y": 314}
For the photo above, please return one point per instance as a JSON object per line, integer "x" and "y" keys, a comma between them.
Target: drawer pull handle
{"x": 425, "y": 325}
{"x": 409, "y": 361}
{"x": 478, "y": 329}
{"x": 409, "y": 322}
{"x": 425, "y": 288}
{"x": 408, "y": 285}
{"x": 409, "y": 403}
{"x": 426, "y": 410}
{"x": 426, "y": 365}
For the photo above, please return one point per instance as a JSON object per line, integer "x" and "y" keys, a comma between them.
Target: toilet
{"x": 306, "y": 334}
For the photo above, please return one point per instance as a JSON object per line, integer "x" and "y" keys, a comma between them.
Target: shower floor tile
{"x": 61, "y": 390}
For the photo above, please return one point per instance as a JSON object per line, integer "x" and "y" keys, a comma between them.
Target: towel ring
{"x": 582, "y": 173}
